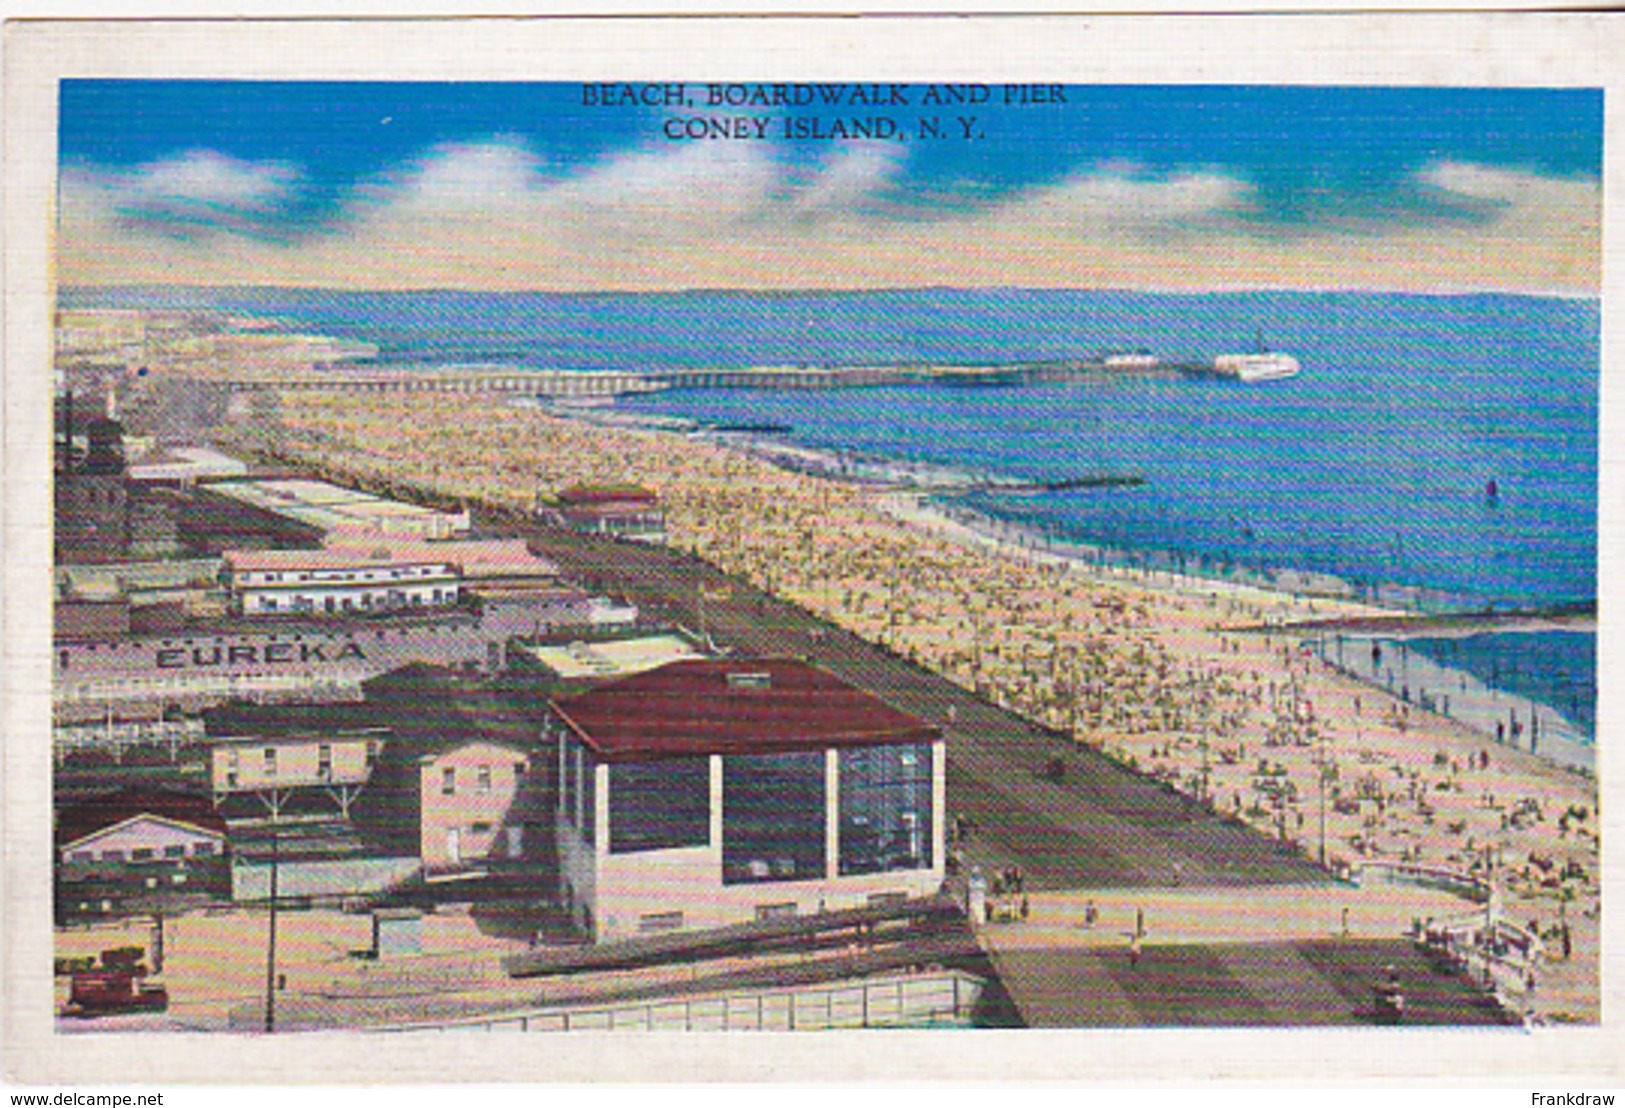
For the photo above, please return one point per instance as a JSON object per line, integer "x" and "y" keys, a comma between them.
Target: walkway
{"x": 1204, "y": 962}
{"x": 1098, "y": 826}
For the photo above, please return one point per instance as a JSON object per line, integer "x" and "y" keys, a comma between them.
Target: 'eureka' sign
{"x": 276, "y": 653}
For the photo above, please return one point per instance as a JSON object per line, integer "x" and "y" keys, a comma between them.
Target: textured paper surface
{"x": 1382, "y": 49}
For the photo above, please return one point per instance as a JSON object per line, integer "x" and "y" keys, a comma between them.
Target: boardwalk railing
{"x": 881, "y": 1002}
{"x": 1467, "y": 885}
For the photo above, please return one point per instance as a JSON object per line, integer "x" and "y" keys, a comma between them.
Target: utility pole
{"x": 1207, "y": 712}
{"x": 270, "y": 949}
{"x": 1325, "y": 768}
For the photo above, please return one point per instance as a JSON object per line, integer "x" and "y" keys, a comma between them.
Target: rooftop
{"x": 733, "y": 706}
{"x": 358, "y": 558}
{"x": 331, "y": 506}
{"x": 614, "y": 658}
{"x": 78, "y": 821}
{"x": 240, "y": 719}
{"x": 475, "y": 557}
{"x": 582, "y": 496}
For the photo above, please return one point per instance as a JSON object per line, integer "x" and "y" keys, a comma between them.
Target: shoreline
{"x": 912, "y": 505}
{"x": 1154, "y": 671}
{"x": 1564, "y": 748}
{"x": 1388, "y": 599}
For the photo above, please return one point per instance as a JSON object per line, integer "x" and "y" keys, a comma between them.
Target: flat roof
{"x": 733, "y": 706}
{"x": 252, "y": 560}
{"x": 254, "y": 722}
{"x": 323, "y": 504}
{"x": 614, "y": 658}
{"x": 475, "y": 557}
{"x": 583, "y": 495}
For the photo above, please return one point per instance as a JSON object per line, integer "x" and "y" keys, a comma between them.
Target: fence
{"x": 1473, "y": 888}
{"x": 333, "y": 878}
{"x": 881, "y": 1002}
{"x": 117, "y": 736}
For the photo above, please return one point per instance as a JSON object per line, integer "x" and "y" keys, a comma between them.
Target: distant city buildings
{"x": 359, "y": 700}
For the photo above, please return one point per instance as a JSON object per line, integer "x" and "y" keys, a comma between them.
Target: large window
{"x": 657, "y": 805}
{"x": 885, "y": 808}
{"x": 773, "y": 818}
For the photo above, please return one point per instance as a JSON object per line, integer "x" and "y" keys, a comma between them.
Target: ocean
{"x": 1371, "y": 467}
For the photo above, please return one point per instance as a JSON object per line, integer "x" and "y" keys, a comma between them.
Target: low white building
{"x": 284, "y": 582}
{"x": 712, "y": 792}
{"x": 188, "y": 464}
{"x": 136, "y": 827}
{"x": 333, "y": 507}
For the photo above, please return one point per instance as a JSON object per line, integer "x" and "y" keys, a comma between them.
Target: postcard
{"x": 1049, "y": 541}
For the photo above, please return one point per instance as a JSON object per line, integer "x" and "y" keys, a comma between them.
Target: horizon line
{"x": 1462, "y": 292}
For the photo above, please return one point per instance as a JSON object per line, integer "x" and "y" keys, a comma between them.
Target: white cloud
{"x": 462, "y": 176}
{"x": 1115, "y": 197}
{"x": 190, "y": 195}
{"x": 205, "y": 178}
{"x": 696, "y": 183}
{"x": 737, "y": 214}
{"x": 502, "y": 183}
{"x": 1507, "y": 187}
{"x": 849, "y": 181}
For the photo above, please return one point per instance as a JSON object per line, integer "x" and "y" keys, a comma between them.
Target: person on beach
{"x": 1128, "y": 664}
{"x": 1134, "y": 948}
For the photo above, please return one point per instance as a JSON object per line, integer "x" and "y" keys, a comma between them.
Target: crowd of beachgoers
{"x": 1192, "y": 681}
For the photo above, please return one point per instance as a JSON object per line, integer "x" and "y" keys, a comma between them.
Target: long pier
{"x": 548, "y": 382}
{"x": 953, "y": 376}
{"x": 567, "y": 384}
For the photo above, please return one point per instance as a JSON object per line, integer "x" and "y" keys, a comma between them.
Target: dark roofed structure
{"x": 431, "y": 708}
{"x": 585, "y": 496}
{"x": 98, "y": 813}
{"x": 241, "y": 717}
{"x": 733, "y": 706}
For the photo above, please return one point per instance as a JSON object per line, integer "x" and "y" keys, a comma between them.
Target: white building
{"x": 333, "y": 507}
{"x": 136, "y": 826}
{"x": 282, "y": 582}
{"x": 712, "y": 792}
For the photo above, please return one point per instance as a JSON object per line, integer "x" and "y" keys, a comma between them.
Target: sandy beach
{"x": 1154, "y": 669}
{"x": 1186, "y": 679}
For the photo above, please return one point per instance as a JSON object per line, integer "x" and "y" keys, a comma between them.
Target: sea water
{"x": 1373, "y": 466}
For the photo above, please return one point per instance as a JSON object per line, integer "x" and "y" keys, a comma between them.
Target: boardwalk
{"x": 1099, "y": 825}
{"x": 1274, "y": 956}
{"x": 1311, "y": 984}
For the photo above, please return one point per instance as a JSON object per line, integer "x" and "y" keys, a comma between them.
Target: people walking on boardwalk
{"x": 1157, "y": 678}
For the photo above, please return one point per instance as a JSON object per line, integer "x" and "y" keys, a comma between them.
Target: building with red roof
{"x": 709, "y": 792}
{"x": 625, "y": 511}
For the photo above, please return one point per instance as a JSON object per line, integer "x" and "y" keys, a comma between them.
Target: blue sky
{"x": 522, "y": 185}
